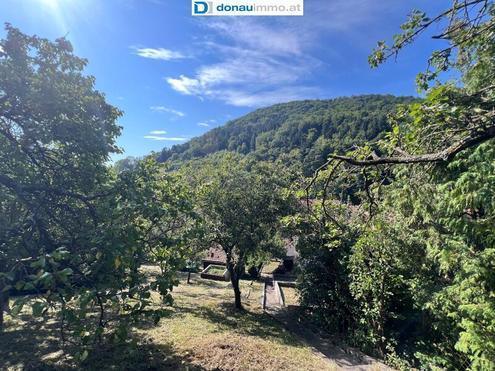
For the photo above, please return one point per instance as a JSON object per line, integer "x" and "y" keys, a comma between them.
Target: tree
{"x": 71, "y": 229}
{"x": 126, "y": 164}
{"x": 242, "y": 205}
{"x": 428, "y": 190}
{"x": 56, "y": 132}
{"x": 306, "y": 130}
{"x": 466, "y": 112}
{"x": 164, "y": 212}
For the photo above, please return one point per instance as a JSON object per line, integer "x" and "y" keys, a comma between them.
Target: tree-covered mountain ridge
{"x": 300, "y": 133}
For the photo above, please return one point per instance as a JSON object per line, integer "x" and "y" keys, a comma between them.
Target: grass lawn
{"x": 290, "y": 295}
{"x": 206, "y": 330}
{"x": 216, "y": 270}
{"x": 269, "y": 267}
{"x": 201, "y": 332}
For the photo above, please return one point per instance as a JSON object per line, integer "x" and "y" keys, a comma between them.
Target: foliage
{"x": 71, "y": 230}
{"x": 299, "y": 134}
{"x": 128, "y": 163}
{"x": 420, "y": 270}
{"x": 241, "y": 205}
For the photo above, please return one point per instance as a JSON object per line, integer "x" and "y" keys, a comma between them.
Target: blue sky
{"x": 176, "y": 76}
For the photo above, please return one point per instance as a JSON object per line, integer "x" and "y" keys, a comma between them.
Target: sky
{"x": 176, "y": 76}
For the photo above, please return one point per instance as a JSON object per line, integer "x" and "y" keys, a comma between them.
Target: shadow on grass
{"x": 36, "y": 345}
{"x": 213, "y": 284}
{"x": 244, "y": 322}
{"x": 329, "y": 345}
{"x": 144, "y": 356}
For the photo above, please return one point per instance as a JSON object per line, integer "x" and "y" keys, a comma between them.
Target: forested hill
{"x": 300, "y": 133}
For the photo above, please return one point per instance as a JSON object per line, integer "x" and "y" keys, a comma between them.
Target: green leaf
{"x": 17, "y": 306}
{"x": 38, "y": 308}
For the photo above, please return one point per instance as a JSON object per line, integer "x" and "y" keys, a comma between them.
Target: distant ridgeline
{"x": 301, "y": 134}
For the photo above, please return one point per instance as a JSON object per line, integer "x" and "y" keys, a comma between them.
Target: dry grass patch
{"x": 271, "y": 266}
{"x": 290, "y": 295}
{"x": 202, "y": 331}
{"x": 207, "y": 331}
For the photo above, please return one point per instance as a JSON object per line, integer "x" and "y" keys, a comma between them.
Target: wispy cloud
{"x": 153, "y": 137}
{"x": 159, "y": 53}
{"x": 185, "y": 85}
{"x": 258, "y": 65}
{"x": 266, "y": 98}
{"x": 159, "y": 135}
{"x": 166, "y": 139}
{"x": 176, "y": 139}
{"x": 167, "y": 110}
{"x": 207, "y": 123}
{"x": 258, "y": 61}
{"x": 259, "y": 36}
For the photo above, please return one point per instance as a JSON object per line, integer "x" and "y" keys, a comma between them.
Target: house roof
{"x": 215, "y": 254}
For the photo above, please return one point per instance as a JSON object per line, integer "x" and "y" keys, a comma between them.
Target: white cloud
{"x": 258, "y": 64}
{"x": 169, "y": 139}
{"x": 207, "y": 123}
{"x": 159, "y": 53}
{"x": 176, "y": 139}
{"x": 247, "y": 82}
{"x": 167, "y": 110}
{"x": 259, "y": 36}
{"x": 185, "y": 85}
{"x": 266, "y": 98}
{"x": 153, "y": 137}
{"x": 259, "y": 61}
{"x": 247, "y": 73}
{"x": 159, "y": 135}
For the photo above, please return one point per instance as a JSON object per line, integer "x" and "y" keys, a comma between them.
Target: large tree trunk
{"x": 234, "y": 278}
{"x": 234, "y": 269}
{"x": 237, "y": 291}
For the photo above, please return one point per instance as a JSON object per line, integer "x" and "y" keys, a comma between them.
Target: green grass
{"x": 290, "y": 295}
{"x": 269, "y": 267}
{"x": 202, "y": 331}
{"x": 210, "y": 333}
{"x": 216, "y": 270}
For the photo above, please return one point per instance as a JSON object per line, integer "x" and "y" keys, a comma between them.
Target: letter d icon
{"x": 200, "y": 7}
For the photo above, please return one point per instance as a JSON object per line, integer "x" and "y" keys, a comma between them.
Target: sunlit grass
{"x": 207, "y": 331}
{"x": 290, "y": 295}
{"x": 202, "y": 330}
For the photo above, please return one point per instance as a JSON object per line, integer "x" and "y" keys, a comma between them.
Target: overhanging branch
{"x": 444, "y": 155}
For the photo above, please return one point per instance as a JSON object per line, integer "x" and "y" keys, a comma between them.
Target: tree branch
{"x": 444, "y": 155}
